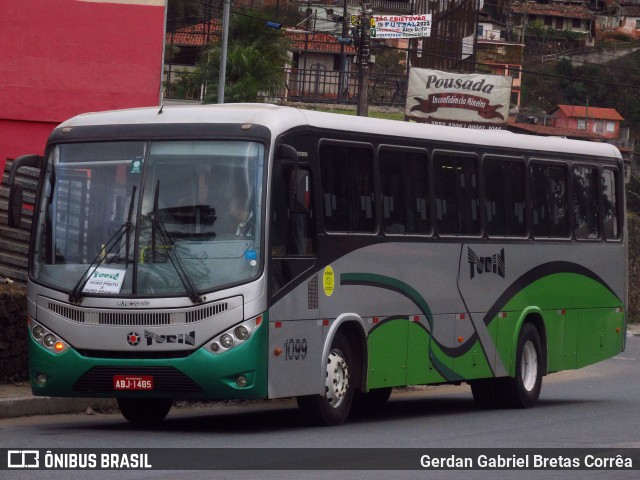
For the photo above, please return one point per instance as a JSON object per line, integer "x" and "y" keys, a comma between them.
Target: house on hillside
{"x": 560, "y": 17}
{"x": 621, "y": 16}
{"x": 600, "y": 121}
{"x": 630, "y": 20}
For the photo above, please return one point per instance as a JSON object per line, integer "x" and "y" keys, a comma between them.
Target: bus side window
{"x": 404, "y": 176}
{"x": 457, "y": 194}
{"x": 585, "y": 202}
{"x": 292, "y": 232}
{"x": 347, "y": 188}
{"x": 504, "y": 181}
{"x": 610, "y": 207}
{"x": 549, "y": 200}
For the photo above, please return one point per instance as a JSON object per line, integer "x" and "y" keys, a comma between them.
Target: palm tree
{"x": 256, "y": 56}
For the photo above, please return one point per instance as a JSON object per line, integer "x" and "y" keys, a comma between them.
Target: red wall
{"x": 60, "y": 58}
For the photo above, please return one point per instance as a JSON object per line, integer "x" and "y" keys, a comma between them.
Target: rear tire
{"x": 523, "y": 391}
{"x": 144, "y": 411}
{"x": 333, "y": 406}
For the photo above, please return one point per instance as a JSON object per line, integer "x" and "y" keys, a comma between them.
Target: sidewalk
{"x": 16, "y": 400}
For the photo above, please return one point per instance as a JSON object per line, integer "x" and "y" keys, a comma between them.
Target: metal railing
{"x": 329, "y": 86}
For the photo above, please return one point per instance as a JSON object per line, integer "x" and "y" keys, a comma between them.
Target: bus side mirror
{"x": 299, "y": 191}
{"x": 16, "y": 194}
{"x": 15, "y": 206}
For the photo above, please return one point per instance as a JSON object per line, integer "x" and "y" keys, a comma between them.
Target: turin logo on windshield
{"x": 134, "y": 338}
{"x": 492, "y": 264}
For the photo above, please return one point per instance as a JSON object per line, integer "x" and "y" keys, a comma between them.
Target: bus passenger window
{"x": 456, "y": 194}
{"x": 347, "y": 188}
{"x": 292, "y": 233}
{"x": 610, "y": 204}
{"x": 404, "y": 191}
{"x": 549, "y": 200}
{"x": 585, "y": 202}
{"x": 504, "y": 182}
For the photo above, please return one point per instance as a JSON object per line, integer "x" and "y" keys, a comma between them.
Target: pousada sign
{"x": 470, "y": 100}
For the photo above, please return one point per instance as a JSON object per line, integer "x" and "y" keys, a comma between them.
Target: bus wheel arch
{"x": 344, "y": 355}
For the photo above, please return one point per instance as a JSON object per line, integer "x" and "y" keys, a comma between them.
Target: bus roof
{"x": 280, "y": 118}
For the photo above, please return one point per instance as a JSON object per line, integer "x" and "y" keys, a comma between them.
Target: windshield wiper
{"x": 76, "y": 293}
{"x": 158, "y": 226}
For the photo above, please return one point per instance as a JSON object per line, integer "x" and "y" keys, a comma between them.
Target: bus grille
{"x": 137, "y": 318}
{"x": 165, "y": 379}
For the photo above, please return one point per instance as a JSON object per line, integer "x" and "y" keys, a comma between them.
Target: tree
{"x": 256, "y": 56}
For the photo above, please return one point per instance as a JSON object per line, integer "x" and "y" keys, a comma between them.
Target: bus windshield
{"x": 149, "y": 218}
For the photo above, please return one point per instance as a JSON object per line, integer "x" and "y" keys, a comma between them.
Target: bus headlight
{"x": 38, "y": 332}
{"x": 47, "y": 339}
{"x": 235, "y": 336}
{"x": 226, "y": 341}
{"x": 241, "y": 333}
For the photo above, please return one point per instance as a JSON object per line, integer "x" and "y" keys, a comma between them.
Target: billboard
{"x": 406, "y": 26}
{"x": 464, "y": 100}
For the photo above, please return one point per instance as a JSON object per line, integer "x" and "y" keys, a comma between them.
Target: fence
{"x": 318, "y": 85}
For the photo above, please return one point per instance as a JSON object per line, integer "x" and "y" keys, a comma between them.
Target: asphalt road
{"x": 590, "y": 408}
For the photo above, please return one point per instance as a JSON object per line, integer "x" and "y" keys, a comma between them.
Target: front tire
{"x": 144, "y": 411}
{"x": 333, "y": 406}
{"x": 523, "y": 391}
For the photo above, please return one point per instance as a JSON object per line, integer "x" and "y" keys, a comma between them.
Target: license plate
{"x": 132, "y": 382}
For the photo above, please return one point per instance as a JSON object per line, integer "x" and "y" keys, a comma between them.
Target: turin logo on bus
{"x": 184, "y": 338}
{"x": 492, "y": 264}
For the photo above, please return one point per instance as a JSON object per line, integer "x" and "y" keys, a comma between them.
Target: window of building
{"x": 405, "y": 197}
{"x": 611, "y": 127}
{"x": 504, "y": 181}
{"x": 549, "y": 200}
{"x": 456, "y": 193}
{"x": 582, "y": 124}
{"x": 576, "y": 23}
{"x": 347, "y": 187}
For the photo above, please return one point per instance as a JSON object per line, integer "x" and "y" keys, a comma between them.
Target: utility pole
{"x": 223, "y": 56}
{"x": 343, "y": 57}
{"x": 364, "y": 55}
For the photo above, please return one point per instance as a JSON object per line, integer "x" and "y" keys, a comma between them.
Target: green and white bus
{"x": 261, "y": 252}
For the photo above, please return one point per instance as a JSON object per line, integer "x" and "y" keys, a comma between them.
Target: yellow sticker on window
{"x": 328, "y": 281}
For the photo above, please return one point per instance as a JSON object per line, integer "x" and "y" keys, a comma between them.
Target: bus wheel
{"x": 144, "y": 411}
{"x": 332, "y": 407}
{"x": 523, "y": 390}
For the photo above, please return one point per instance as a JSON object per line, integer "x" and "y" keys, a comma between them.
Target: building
{"x": 604, "y": 122}
{"x": 559, "y": 17}
{"x": 61, "y": 58}
{"x": 65, "y": 57}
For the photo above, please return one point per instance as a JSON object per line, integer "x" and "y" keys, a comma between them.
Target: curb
{"x": 30, "y": 406}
